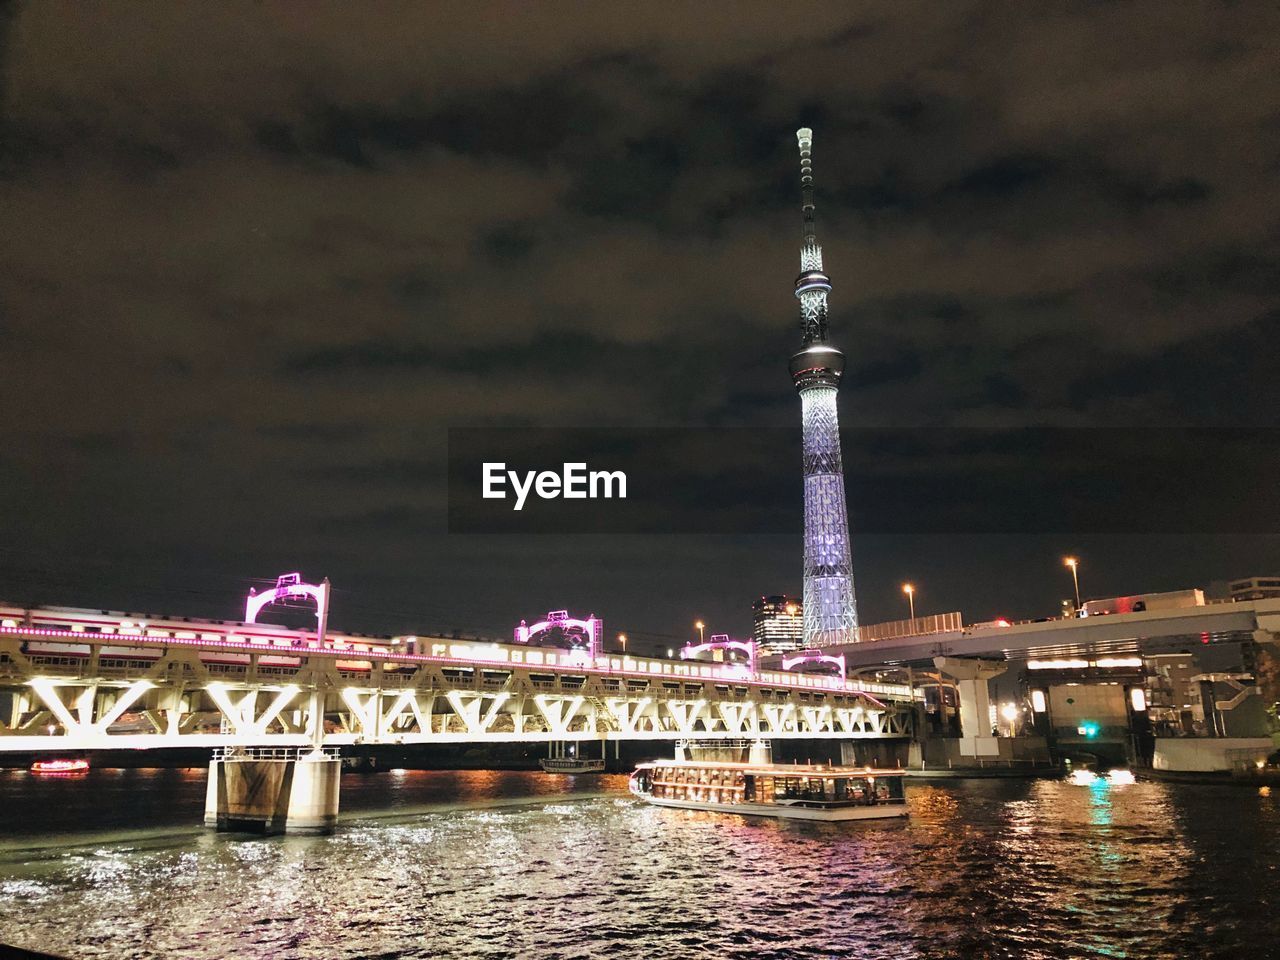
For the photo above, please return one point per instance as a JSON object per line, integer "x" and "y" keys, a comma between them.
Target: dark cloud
{"x": 367, "y": 355}
{"x": 629, "y": 183}
{"x": 410, "y": 473}
{"x": 1218, "y": 377}
{"x": 400, "y": 520}
{"x": 1002, "y": 390}
{"x": 1212, "y": 272}
{"x": 262, "y": 263}
{"x": 903, "y": 366}
{"x": 1004, "y": 177}
{"x": 312, "y": 431}
{"x": 508, "y": 243}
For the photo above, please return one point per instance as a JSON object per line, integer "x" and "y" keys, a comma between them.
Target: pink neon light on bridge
{"x": 592, "y": 627}
{"x": 813, "y": 657}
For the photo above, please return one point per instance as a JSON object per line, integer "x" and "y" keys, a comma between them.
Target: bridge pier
{"x": 270, "y": 791}
{"x": 972, "y": 679}
{"x": 873, "y": 753}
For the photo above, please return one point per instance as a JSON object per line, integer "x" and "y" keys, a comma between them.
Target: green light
{"x": 1089, "y": 729}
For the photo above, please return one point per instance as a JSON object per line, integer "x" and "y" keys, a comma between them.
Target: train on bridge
{"x": 60, "y": 636}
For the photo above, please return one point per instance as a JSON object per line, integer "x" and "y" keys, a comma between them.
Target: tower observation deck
{"x": 830, "y": 611}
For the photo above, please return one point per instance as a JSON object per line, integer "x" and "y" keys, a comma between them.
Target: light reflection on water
{"x": 478, "y": 865}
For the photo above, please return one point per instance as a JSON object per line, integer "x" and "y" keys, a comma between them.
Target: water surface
{"x": 488, "y": 865}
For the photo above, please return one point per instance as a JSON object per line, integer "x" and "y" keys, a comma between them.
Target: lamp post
{"x": 700, "y": 627}
{"x": 1010, "y": 712}
{"x": 622, "y": 639}
{"x": 1074, "y": 564}
{"x": 910, "y": 591}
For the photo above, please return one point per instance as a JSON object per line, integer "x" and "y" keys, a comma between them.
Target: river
{"x": 474, "y": 864}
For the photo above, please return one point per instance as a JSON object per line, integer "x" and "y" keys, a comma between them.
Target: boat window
{"x": 885, "y": 789}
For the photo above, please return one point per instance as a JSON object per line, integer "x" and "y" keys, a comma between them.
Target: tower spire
{"x": 830, "y": 611}
{"x": 813, "y": 285}
{"x": 805, "y": 136}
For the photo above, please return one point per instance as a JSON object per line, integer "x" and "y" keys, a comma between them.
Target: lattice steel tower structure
{"x": 830, "y": 611}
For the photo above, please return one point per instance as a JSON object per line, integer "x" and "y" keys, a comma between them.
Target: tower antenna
{"x": 805, "y": 136}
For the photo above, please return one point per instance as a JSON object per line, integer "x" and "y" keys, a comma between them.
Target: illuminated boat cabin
{"x": 775, "y": 790}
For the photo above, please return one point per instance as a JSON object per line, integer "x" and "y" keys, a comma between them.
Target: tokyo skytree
{"x": 830, "y": 611}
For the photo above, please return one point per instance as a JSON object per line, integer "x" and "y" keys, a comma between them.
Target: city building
{"x": 1255, "y": 588}
{"x": 830, "y": 611}
{"x": 1173, "y": 696}
{"x": 777, "y": 624}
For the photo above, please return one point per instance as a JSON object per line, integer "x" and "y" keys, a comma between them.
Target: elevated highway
{"x": 1114, "y": 634}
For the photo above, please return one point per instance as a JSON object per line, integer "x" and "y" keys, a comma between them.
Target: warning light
{"x": 1089, "y": 729}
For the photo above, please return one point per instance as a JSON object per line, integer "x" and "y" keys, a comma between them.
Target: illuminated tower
{"x": 830, "y": 612}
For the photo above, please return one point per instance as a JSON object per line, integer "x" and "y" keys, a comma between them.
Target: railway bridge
{"x": 65, "y": 690}
{"x": 276, "y": 706}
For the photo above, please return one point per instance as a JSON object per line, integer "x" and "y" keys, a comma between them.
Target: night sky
{"x": 258, "y": 258}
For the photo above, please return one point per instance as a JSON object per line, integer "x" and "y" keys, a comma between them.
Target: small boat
{"x": 571, "y": 765}
{"x": 800, "y": 792}
{"x": 79, "y": 765}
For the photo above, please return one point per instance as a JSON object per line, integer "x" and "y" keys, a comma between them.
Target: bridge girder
{"x": 185, "y": 699}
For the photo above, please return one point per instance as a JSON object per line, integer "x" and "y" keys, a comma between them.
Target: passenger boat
{"x": 79, "y": 765}
{"x": 571, "y": 765}
{"x": 810, "y": 792}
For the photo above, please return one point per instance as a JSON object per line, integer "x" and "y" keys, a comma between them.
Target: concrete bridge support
{"x": 972, "y": 679}
{"x": 265, "y": 793}
{"x": 881, "y": 753}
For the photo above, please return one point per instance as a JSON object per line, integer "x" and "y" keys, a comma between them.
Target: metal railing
{"x": 272, "y": 753}
{"x": 739, "y": 744}
{"x": 988, "y": 762}
{"x": 917, "y": 627}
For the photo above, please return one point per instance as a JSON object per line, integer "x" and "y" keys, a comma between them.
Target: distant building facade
{"x": 777, "y": 624}
{"x": 1174, "y": 703}
{"x": 1255, "y": 588}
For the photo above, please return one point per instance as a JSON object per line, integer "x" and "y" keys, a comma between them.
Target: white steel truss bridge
{"x": 65, "y": 690}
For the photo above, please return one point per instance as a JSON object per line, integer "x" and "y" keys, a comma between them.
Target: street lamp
{"x": 701, "y": 626}
{"x": 1074, "y": 564}
{"x": 1010, "y": 713}
{"x": 622, "y": 639}
{"x": 910, "y": 591}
